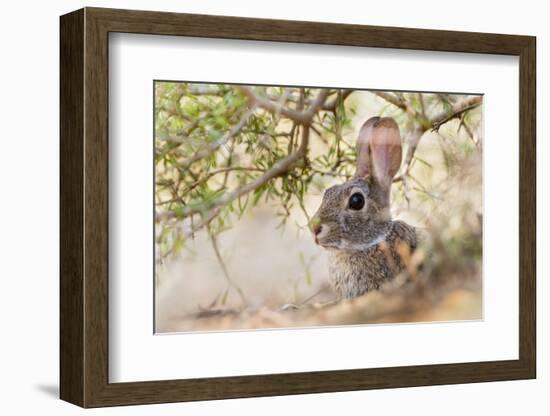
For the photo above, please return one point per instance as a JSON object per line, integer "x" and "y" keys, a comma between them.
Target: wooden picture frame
{"x": 84, "y": 207}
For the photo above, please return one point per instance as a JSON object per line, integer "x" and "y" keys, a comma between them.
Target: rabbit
{"x": 366, "y": 248}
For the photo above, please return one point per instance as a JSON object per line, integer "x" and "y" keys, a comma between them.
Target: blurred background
{"x": 239, "y": 171}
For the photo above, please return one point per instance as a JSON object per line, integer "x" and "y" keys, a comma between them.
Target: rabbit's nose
{"x": 315, "y": 226}
{"x": 317, "y": 229}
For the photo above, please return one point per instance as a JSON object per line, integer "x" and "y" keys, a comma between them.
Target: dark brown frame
{"x": 84, "y": 208}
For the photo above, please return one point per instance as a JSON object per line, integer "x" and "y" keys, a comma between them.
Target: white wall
{"x": 29, "y": 209}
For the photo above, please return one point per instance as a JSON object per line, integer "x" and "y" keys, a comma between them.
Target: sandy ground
{"x": 272, "y": 268}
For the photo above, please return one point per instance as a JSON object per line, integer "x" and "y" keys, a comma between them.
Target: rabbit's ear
{"x": 379, "y": 150}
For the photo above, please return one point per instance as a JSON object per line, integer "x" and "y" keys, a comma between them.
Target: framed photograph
{"x": 256, "y": 207}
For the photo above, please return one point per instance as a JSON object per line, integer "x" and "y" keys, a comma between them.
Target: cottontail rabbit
{"x": 365, "y": 246}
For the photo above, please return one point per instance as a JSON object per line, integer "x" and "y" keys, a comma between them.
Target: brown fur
{"x": 354, "y": 273}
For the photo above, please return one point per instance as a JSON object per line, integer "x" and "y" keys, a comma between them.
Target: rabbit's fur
{"x": 365, "y": 246}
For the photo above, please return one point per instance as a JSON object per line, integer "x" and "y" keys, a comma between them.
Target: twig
{"x": 328, "y": 106}
{"x": 204, "y": 222}
{"x": 280, "y": 104}
{"x": 425, "y": 123}
{"x": 332, "y": 173}
{"x": 230, "y": 282}
{"x": 212, "y": 147}
{"x": 218, "y": 171}
{"x": 306, "y": 300}
{"x": 469, "y": 131}
{"x": 405, "y": 106}
{"x": 456, "y": 110}
{"x": 336, "y": 101}
{"x": 422, "y": 104}
{"x": 204, "y": 90}
{"x": 183, "y": 138}
{"x": 414, "y": 140}
{"x": 300, "y": 117}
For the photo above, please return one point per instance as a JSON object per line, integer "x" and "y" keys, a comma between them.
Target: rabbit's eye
{"x": 356, "y": 201}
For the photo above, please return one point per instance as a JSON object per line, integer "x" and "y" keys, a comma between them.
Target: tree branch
{"x": 340, "y": 98}
{"x": 328, "y": 106}
{"x": 278, "y": 169}
{"x": 208, "y": 176}
{"x": 206, "y": 89}
{"x": 300, "y": 117}
{"x": 406, "y": 107}
{"x": 215, "y": 145}
{"x": 426, "y": 123}
{"x": 456, "y": 110}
